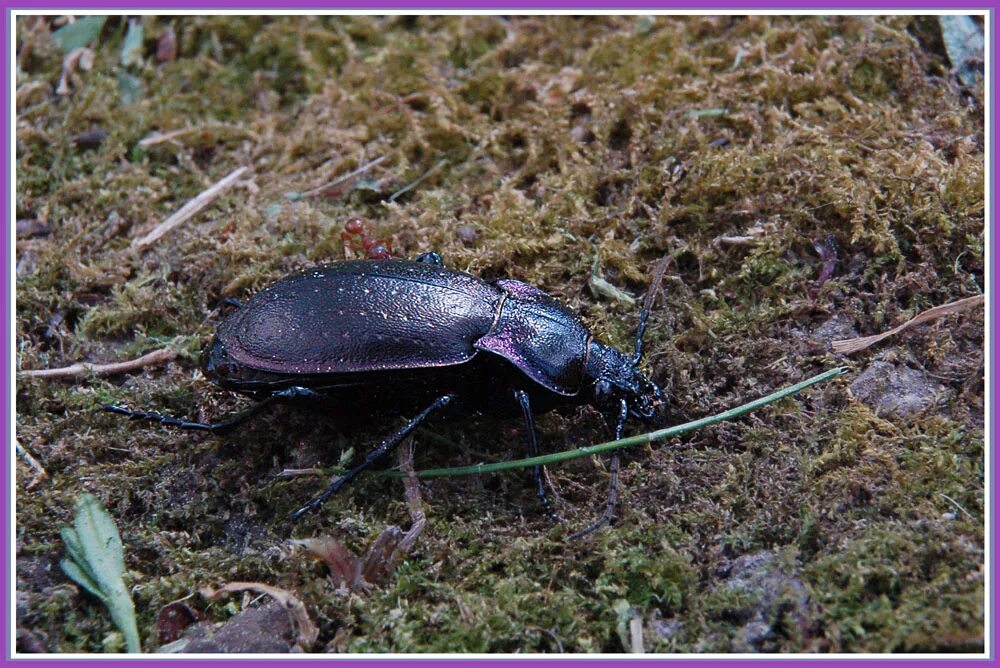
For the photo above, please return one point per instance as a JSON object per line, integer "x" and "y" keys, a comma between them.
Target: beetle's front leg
{"x": 529, "y": 422}
{"x": 383, "y": 449}
{"x": 609, "y": 510}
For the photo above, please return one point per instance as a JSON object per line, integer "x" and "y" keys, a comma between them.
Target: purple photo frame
{"x": 509, "y": 6}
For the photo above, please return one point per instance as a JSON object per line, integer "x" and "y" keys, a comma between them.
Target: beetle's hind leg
{"x": 529, "y": 422}
{"x": 430, "y": 258}
{"x": 383, "y": 449}
{"x": 230, "y": 302}
{"x": 221, "y": 427}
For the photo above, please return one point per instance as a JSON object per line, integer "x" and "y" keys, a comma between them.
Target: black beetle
{"x": 402, "y": 336}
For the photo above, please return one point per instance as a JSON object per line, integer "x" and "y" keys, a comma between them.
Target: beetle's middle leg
{"x": 297, "y": 392}
{"x": 383, "y": 449}
{"x": 529, "y": 422}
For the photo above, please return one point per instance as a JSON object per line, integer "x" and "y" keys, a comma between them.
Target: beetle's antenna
{"x": 647, "y": 305}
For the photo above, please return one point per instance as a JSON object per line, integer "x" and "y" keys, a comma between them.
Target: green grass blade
{"x": 97, "y": 562}
{"x": 626, "y": 442}
{"x": 82, "y": 578}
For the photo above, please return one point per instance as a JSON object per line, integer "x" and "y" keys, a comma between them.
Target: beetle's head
{"x": 615, "y": 379}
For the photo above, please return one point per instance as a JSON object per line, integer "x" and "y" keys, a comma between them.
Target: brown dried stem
{"x": 411, "y": 486}
{"x": 848, "y": 346}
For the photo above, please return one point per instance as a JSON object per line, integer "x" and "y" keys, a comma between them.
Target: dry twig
{"x": 156, "y": 357}
{"x": 160, "y": 137}
{"x": 187, "y": 211}
{"x": 286, "y": 474}
{"x": 40, "y": 472}
{"x": 329, "y": 189}
{"x": 420, "y": 179}
{"x": 635, "y": 632}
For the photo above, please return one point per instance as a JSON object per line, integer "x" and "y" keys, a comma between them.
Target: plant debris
{"x": 359, "y": 574}
{"x": 189, "y": 210}
{"x": 149, "y": 359}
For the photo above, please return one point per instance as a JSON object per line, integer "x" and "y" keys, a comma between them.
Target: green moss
{"x": 901, "y": 587}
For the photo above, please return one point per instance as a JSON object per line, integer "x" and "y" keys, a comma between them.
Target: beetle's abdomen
{"x": 360, "y": 316}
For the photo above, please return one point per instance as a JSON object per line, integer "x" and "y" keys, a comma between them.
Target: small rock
{"x": 29, "y": 643}
{"x": 90, "y": 140}
{"x": 22, "y": 604}
{"x": 27, "y": 263}
{"x": 31, "y": 227}
{"x": 893, "y": 390}
{"x": 263, "y": 630}
{"x": 837, "y": 327}
{"x": 664, "y": 629}
{"x": 173, "y": 618}
{"x": 582, "y": 134}
{"x": 466, "y": 234}
{"x": 776, "y": 597}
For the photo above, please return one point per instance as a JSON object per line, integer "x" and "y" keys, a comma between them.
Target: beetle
{"x": 379, "y": 336}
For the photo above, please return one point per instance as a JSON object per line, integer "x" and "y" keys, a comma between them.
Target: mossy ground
{"x": 561, "y": 137}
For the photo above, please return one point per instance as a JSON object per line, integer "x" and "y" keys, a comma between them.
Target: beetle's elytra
{"x": 416, "y": 338}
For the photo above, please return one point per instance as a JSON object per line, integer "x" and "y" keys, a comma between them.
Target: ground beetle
{"x": 412, "y": 336}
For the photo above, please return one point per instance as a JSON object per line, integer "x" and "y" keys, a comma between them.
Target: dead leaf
{"x": 344, "y": 567}
{"x": 173, "y": 618}
{"x": 359, "y": 574}
{"x": 380, "y": 560}
{"x": 80, "y": 58}
{"x": 304, "y": 627}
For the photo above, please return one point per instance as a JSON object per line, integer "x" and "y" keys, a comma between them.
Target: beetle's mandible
{"x": 416, "y": 338}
